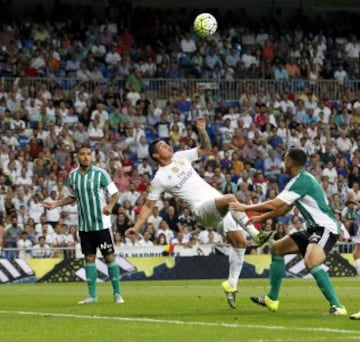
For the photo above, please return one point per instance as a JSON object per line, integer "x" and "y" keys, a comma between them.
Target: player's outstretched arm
{"x": 260, "y": 207}
{"x": 145, "y": 212}
{"x": 270, "y": 214}
{"x": 60, "y": 203}
{"x": 205, "y": 143}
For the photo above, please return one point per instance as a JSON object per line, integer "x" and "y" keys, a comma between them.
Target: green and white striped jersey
{"x": 90, "y": 192}
{"x": 305, "y": 192}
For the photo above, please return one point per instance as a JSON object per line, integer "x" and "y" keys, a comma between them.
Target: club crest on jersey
{"x": 175, "y": 169}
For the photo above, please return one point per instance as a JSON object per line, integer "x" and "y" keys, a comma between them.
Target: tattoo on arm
{"x": 205, "y": 140}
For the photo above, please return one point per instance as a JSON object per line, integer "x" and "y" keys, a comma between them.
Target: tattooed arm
{"x": 205, "y": 143}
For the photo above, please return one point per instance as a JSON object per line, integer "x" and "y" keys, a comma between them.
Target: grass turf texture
{"x": 175, "y": 311}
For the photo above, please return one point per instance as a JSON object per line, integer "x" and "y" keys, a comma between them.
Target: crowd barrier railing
{"x": 161, "y": 88}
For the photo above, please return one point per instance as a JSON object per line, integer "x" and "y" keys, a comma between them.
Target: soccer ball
{"x": 205, "y": 25}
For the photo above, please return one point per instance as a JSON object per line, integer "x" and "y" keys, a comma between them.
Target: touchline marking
{"x": 176, "y": 322}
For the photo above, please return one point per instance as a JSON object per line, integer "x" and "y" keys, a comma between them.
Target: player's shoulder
{"x": 98, "y": 169}
{"x": 304, "y": 179}
{"x": 183, "y": 154}
{"x": 73, "y": 172}
{"x": 158, "y": 174}
{"x": 306, "y": 176}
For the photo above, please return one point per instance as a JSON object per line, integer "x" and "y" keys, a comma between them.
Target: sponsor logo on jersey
{"x": 184, "y": 176}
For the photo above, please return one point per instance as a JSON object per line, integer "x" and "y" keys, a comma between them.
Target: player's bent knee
{"x": 236, "y": 239}
{"x": 90, "y": 258}
{"x": 239, "y": 244}
{"x": 309, "y": 263}
{"x": 109, "y": 258}
{"x": 276, "y": 249}
{"x": 230, "y": 198}
{"x": 313, "y": 260}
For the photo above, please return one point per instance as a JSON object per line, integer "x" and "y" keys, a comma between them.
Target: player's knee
{"x": 90, "y": 258}
{"x": 308, "y": 262}
{"x": 242, "y": 245}
{"x": 312, "y": 260}
{"x": 230, "y": 198}
{"x": 236, "y": 239}
{"x": 239, "y": 243}
{"x": 356, "y": 252}
{"x": 276, "y": 249}
{"x": 109, "y": 258}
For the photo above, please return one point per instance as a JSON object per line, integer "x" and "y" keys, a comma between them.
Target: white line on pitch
{"x": 176, "y": 322}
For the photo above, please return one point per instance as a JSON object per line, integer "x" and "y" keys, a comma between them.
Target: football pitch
{"x": 184, "y": 311}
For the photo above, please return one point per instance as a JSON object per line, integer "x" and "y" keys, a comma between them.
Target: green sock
{"x": 91, "y": 276}
{"x": 277, "y": 269}
{"x": 114, "y": 274}
{"x": 324, "y": 283}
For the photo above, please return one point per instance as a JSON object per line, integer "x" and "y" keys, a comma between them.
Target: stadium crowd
{"x": 161, "y": 45}
{"x": 42, "y": 124}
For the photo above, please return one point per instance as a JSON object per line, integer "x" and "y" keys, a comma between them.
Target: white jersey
{"x": 181, "y": 180}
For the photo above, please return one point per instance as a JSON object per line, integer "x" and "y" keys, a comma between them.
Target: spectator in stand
{"x": 12, "y": 235}
{"x": 131, "y": 195}
{"x": 41, "y": 249}
{"x": 330, "y": 172}
{"x": 187, "y": 44}
{"x": 24, "y": 246}
{"x": 145, "y": 241}
{"x": 249, "y": 152}
{"x": 280, "y": 73}
{"x": 354, "y": 177}
{"x": 142, "y": 148}
{"x": 144, "y": 167}
{"x": 340, "y": 74}
{"x": 135, "y": 80}
{"x": 123, "y": 222}
{"x": 165, "y": 230}
{"x": 211, "y": 61}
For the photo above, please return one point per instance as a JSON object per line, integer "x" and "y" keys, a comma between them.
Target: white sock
{"x": 241, "y": 218}
{"x": 236, "y": 262}
{"x": 357, "y": 266}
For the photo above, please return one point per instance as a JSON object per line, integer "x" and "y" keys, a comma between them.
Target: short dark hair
{"x": 83, "y": 146}
{"x": 298, "y": 156}
{"x": 152, "y": 148}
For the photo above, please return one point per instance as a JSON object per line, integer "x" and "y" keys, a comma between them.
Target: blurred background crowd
{"x": 74, "y": 80}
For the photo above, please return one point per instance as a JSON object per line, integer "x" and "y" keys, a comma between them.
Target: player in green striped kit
{"x": 321, "y": 234}
{"x": 88, "y": 185}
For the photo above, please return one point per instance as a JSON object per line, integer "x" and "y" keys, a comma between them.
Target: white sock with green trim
{"x": 241, "y": 218}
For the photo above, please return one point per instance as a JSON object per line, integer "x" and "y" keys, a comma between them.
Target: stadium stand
{"x": 263, "y": 88}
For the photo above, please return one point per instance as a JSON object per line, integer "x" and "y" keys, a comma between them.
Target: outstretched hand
{"x": 130, "y": 232}
{"x": 48, "y": 205}
{"x": 201, "y": 123}
{"x": 237, "y": 206}
{"x": 255, "y": 219}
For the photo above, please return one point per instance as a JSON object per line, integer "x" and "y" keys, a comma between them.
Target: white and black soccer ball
{"x": 205, "y": 25}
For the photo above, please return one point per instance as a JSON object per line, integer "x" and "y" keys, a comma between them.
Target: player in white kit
{"x": 177, "y": 176}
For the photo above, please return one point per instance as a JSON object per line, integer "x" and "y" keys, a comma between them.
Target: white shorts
{"x": 208, "y": 215}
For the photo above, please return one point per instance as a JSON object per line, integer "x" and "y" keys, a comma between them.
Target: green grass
{"x": 174, "y": 311}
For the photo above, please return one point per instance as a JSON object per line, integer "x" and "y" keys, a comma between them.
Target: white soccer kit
{"x": 182, "y": 181}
